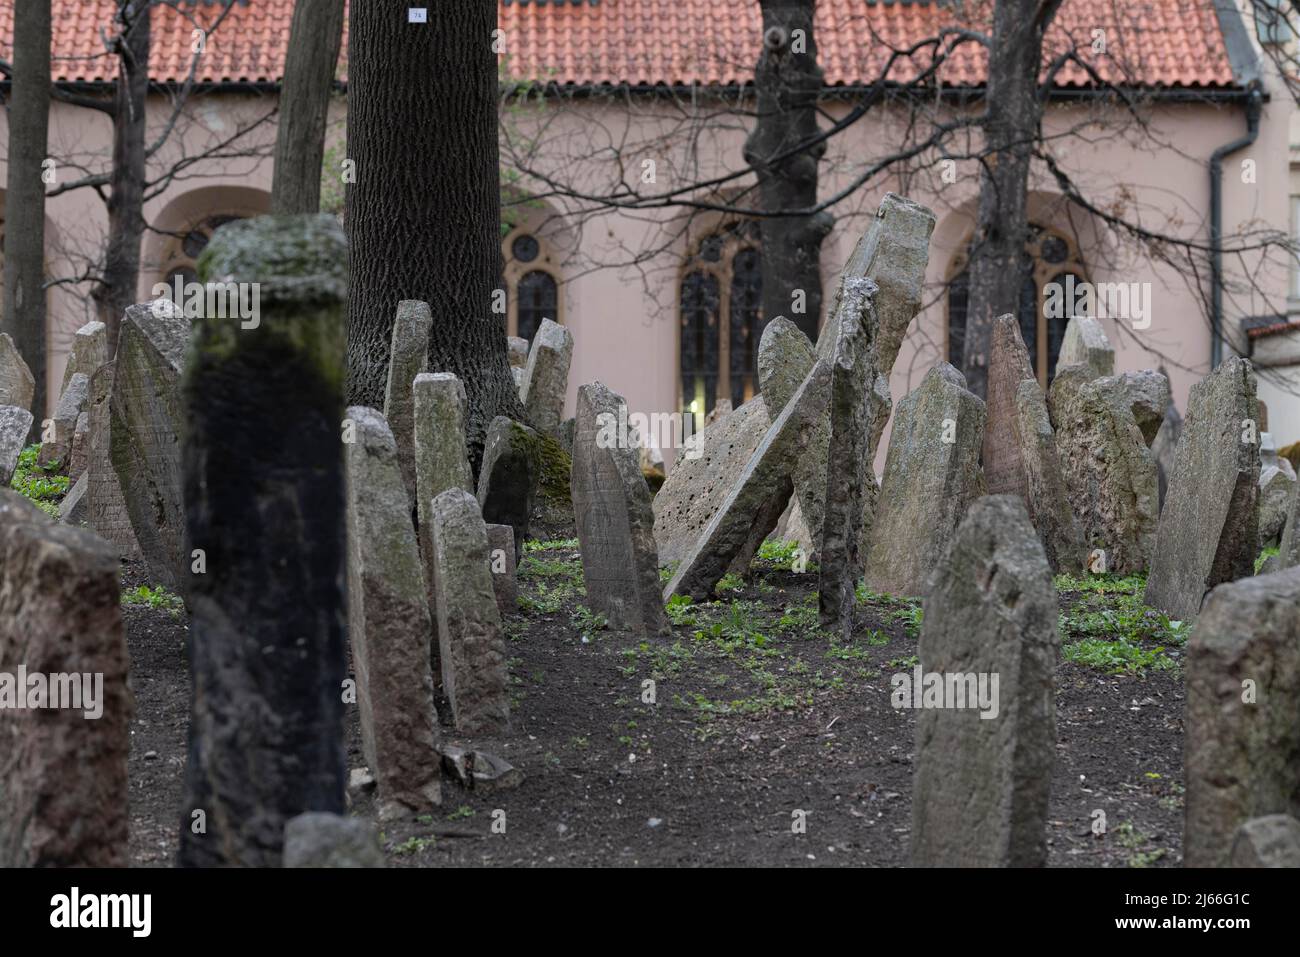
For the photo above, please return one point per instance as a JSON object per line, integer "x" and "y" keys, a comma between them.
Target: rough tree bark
{"x": 116, "y": 289}
{"x": 788, "y": 80}
{"x": 1014, "y": 113}
{"x": 314, "y": 40}
{"x": 423, "y": 217}
{"x": 24, "y": 245}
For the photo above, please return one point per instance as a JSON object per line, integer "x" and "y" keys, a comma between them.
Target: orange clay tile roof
{"x": 1149, "y": 43}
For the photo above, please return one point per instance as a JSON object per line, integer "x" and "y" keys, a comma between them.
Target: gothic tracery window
{"x": 530, "y": 279}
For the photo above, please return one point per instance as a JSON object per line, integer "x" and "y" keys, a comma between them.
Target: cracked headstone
{"x": 480, "y": 770}
{"x": 388, "y": 623}
{"x": 265, "y": 508}
{"x": 409, "y": 356}
{"x": 989, "y": 638}
{"x": 1209, "y": 529}
{"x": 546, "y": 377}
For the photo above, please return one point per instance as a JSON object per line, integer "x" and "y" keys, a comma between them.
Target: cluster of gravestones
{"x": 212, "y": 452}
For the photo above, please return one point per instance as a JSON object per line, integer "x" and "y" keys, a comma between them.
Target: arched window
{"x": 723, "y": 278}
{"x": 184, "y": 250}
{"x": 531, "y": 282}
{"x": 1049, "y": 257}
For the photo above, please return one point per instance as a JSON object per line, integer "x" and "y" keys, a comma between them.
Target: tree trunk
{"x": 314, "y": 39}
{"x": 24, "y": 244}
{"x": 117, "y": 287}
{"x": 788, "y": 81}
{"x": 423, "y": 217}
{"x": 998, "y": 264}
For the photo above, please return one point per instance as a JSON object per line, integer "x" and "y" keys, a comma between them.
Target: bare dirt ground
{"x": 756, "y": 716}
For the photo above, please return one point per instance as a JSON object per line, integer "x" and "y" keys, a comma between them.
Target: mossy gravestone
{"x": 264, "y": 494}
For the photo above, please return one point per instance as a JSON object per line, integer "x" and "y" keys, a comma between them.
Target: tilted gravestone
{"x": 1288, "y": 553}
{"x": 89, "y": 351}
{"x": 388, "y": 623}
{"x": 501, "y": 551}
{"x": 80, "y": 445}
{"x": 1149, "y": 399}
{"x": 508, "y": 477}
{"x": 932, "y": 474}
{"x": 145, "y": 411}
{"x": 757, "y": 496}
{"x": 17, "y": 384}
{"x": 615, "y": 524}
{"x": 1085, "y": 344}
{"x": 1110, "y": 474}
{"x": 1209, "y": 529}
{"x": 65, "y": 704}
{"x": 264, "y": 495}
{"x": 1242, "y": 722}
{"x": 469, "y": 625}
{"x": 409, "y": 357}
{"x": 1269, "y": 841}
{"x": 64, "y": 421}
{"x": 984, "y": 769}
{"x": 849, "y": 453}
{"x": 106, "y": 512}
{"x": 15, "y": 425}
{"x": 1019, "y": 453}
{"x": 546, "y": 378}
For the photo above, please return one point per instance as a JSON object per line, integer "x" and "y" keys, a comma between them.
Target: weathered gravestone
{"x": 1277, "y": 481}
{"x": 517, "y": 352}
{"x": 1110, "y": 474}
{"x": 72, "y": 510}
{"x": 15, "y": 425}
{"x": 702, "y": 476}
{"x": 264, "y": 494}
{"x": 1288, "y": 553}
{"x": 319, "y": 839}
{"x": 106, "y": 512}
{"x": 1019, "y": 452}
{"x": 388, "y": 623}
{"x": 984, "y": 762}
{"x": 469, "y": 626}
{"x": 1085, "y": 344}
{"x": 501, "y": 551}
{"x": 615, "y": 524}
{"x": 1242, "y": 721}
{"x": 932, "y": 474}
{"x": 1148, "y": 398}
{"x": 64, "y": 421}
{"x": 146, "y": 411}
{"x": 508, "y": 477}
{"x": 1209, "y": 529}
{"x": 65, "y": 703}
{"x": 89, "y": 351}
{"x": 1270, "y": 841}
{"x": 80, "y": 445}
{"x": 757, "y": 496}
{"x": 546, "y": 378}
{"x": 409, "y": 357}
{"x": 17, "y": 384}
{"x": 849, "y": 453}
{"x": 1164, "y": 448}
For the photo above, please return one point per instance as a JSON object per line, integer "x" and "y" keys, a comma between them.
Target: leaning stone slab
{"x": 849, "y": 454}
{"x": 106, "y": 512}
{"x": 501, "y": 552}
{"x": 757, "y": 496}
{"x": 1277, "y": 487}
{"x": 265, "y": 504}
{"x": 509, "y": 476}
{"x": 1271, "y": 841}
{"x": 318, "y": 839}
{"x": 469, "y": 626}
{"x": 1110, "y": 474}
{"x": 409, "y": 356}
{"x": 546, "y": 378}
{"x": 703, "y": 476}
{"x": 80, "y": 452}
{"x": 517, "y": 352}
{"x": 1009, "y": 365}
{"x": 983, "y": 771}
{"x": 1209, "y": 529}
{"x": 1242, "y": 745}
{"x": 388, "y": 623}
{"x": 932, "y": 474}
{"x": 63, "y": 794}
{"x": 17, "y": 384}
{"x": 1149, "y": 399}
{"x": 785, "y": 355}
{"x": 1163, "y": 449}
{"x": 72, "y": 510}
{"x": 615, "y": 524}
{"x": 1046, "y": 496}
{"x": 146, "y": 413}
{"x": 1085, "y": 344}
{"x": 1288, "y": 553}
{"x": 15, "y": 426}
{"x": 89, "y": 351}
{"x": 64, "y": 421}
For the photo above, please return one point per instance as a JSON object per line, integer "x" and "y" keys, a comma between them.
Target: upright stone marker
{"x": 264, "y": 494}
{"x": 1085, "y": 344}
{"x": 1046, "y": 496}
{"x": 17, "y": 384}
{"x": 501, "y": 551}
{"x": 615, "y": 524}
{"x": 63, "y": 790}
{"x": 469, "y": 625}
{"x": 106, "y": 510}
{"x": 508, "y": 477}
{"x": 15, "y": 426}
{"x": 1288, "y": 553}
{"x": 145, "y": 450}
{"x": 388, "y": 624}
{"x": 1004, "y": 469}
{"x": 1242, "y": 745}
{"x": 1164, "y": 448}
{"x": 546, "y": 379}
{"x": 983, "y": 774}
{"x": 1149, "y": 399}
{"x": 410, "y": 357}
{"x": 1209, "y": 530}
{"x": 932, "y": 474}
{"x": 89, "y": 351}
{"x": 66, "y": 413}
